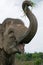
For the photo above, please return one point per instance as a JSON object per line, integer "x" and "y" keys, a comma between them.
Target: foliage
{"x": 41, "y": 55}
{"x": 30, "y": 58}
{"x": 35, "y": 56}
{"x": 37, "y": 62}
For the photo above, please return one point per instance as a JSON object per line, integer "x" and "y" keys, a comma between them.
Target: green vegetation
{"x": 38, "y": 61}
{"x": 29, "y": 59}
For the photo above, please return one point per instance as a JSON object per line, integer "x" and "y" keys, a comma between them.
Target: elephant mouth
{"x": 15, "y": 49}
{"x": 12, "y": 50}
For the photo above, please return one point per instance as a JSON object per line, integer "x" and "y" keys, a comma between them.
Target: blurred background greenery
{"x": 29, "y": 59}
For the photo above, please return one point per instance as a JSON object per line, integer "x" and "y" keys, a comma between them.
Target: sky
{"x": 13, "y": 9}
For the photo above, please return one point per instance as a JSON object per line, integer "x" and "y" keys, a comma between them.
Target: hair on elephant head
{"x": 15, "y": 35}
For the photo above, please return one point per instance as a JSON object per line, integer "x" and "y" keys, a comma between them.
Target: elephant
{"x": 14, "y": 35}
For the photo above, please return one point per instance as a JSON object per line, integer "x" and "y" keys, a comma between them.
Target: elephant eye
{"x": 10, "y": 32}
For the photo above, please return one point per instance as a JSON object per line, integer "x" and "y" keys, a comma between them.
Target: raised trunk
{"x": 29, "y": 34}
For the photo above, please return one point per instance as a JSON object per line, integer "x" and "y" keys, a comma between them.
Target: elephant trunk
{"x": 31, "y": 31}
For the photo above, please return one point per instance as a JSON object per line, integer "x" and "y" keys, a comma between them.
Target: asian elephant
{"x": 14, "y": 35}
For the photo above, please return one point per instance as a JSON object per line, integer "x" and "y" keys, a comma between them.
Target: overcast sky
{"x": 13, "y": 9}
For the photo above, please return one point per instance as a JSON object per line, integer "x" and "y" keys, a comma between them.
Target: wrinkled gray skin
{"x": 14, "y": 35}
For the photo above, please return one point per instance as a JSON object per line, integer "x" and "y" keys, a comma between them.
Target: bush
{"x": 37, "y": 62}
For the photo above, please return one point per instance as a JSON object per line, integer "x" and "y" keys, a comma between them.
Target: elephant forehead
{"x": 19, "y": 30}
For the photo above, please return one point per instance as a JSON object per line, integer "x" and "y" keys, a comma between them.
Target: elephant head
{"x": 15, "y": 34}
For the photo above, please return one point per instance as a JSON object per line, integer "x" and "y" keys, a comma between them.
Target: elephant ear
{"x": 1, "y": 36}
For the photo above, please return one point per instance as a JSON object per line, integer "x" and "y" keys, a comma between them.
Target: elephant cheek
{"x": 20, "y": 48}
